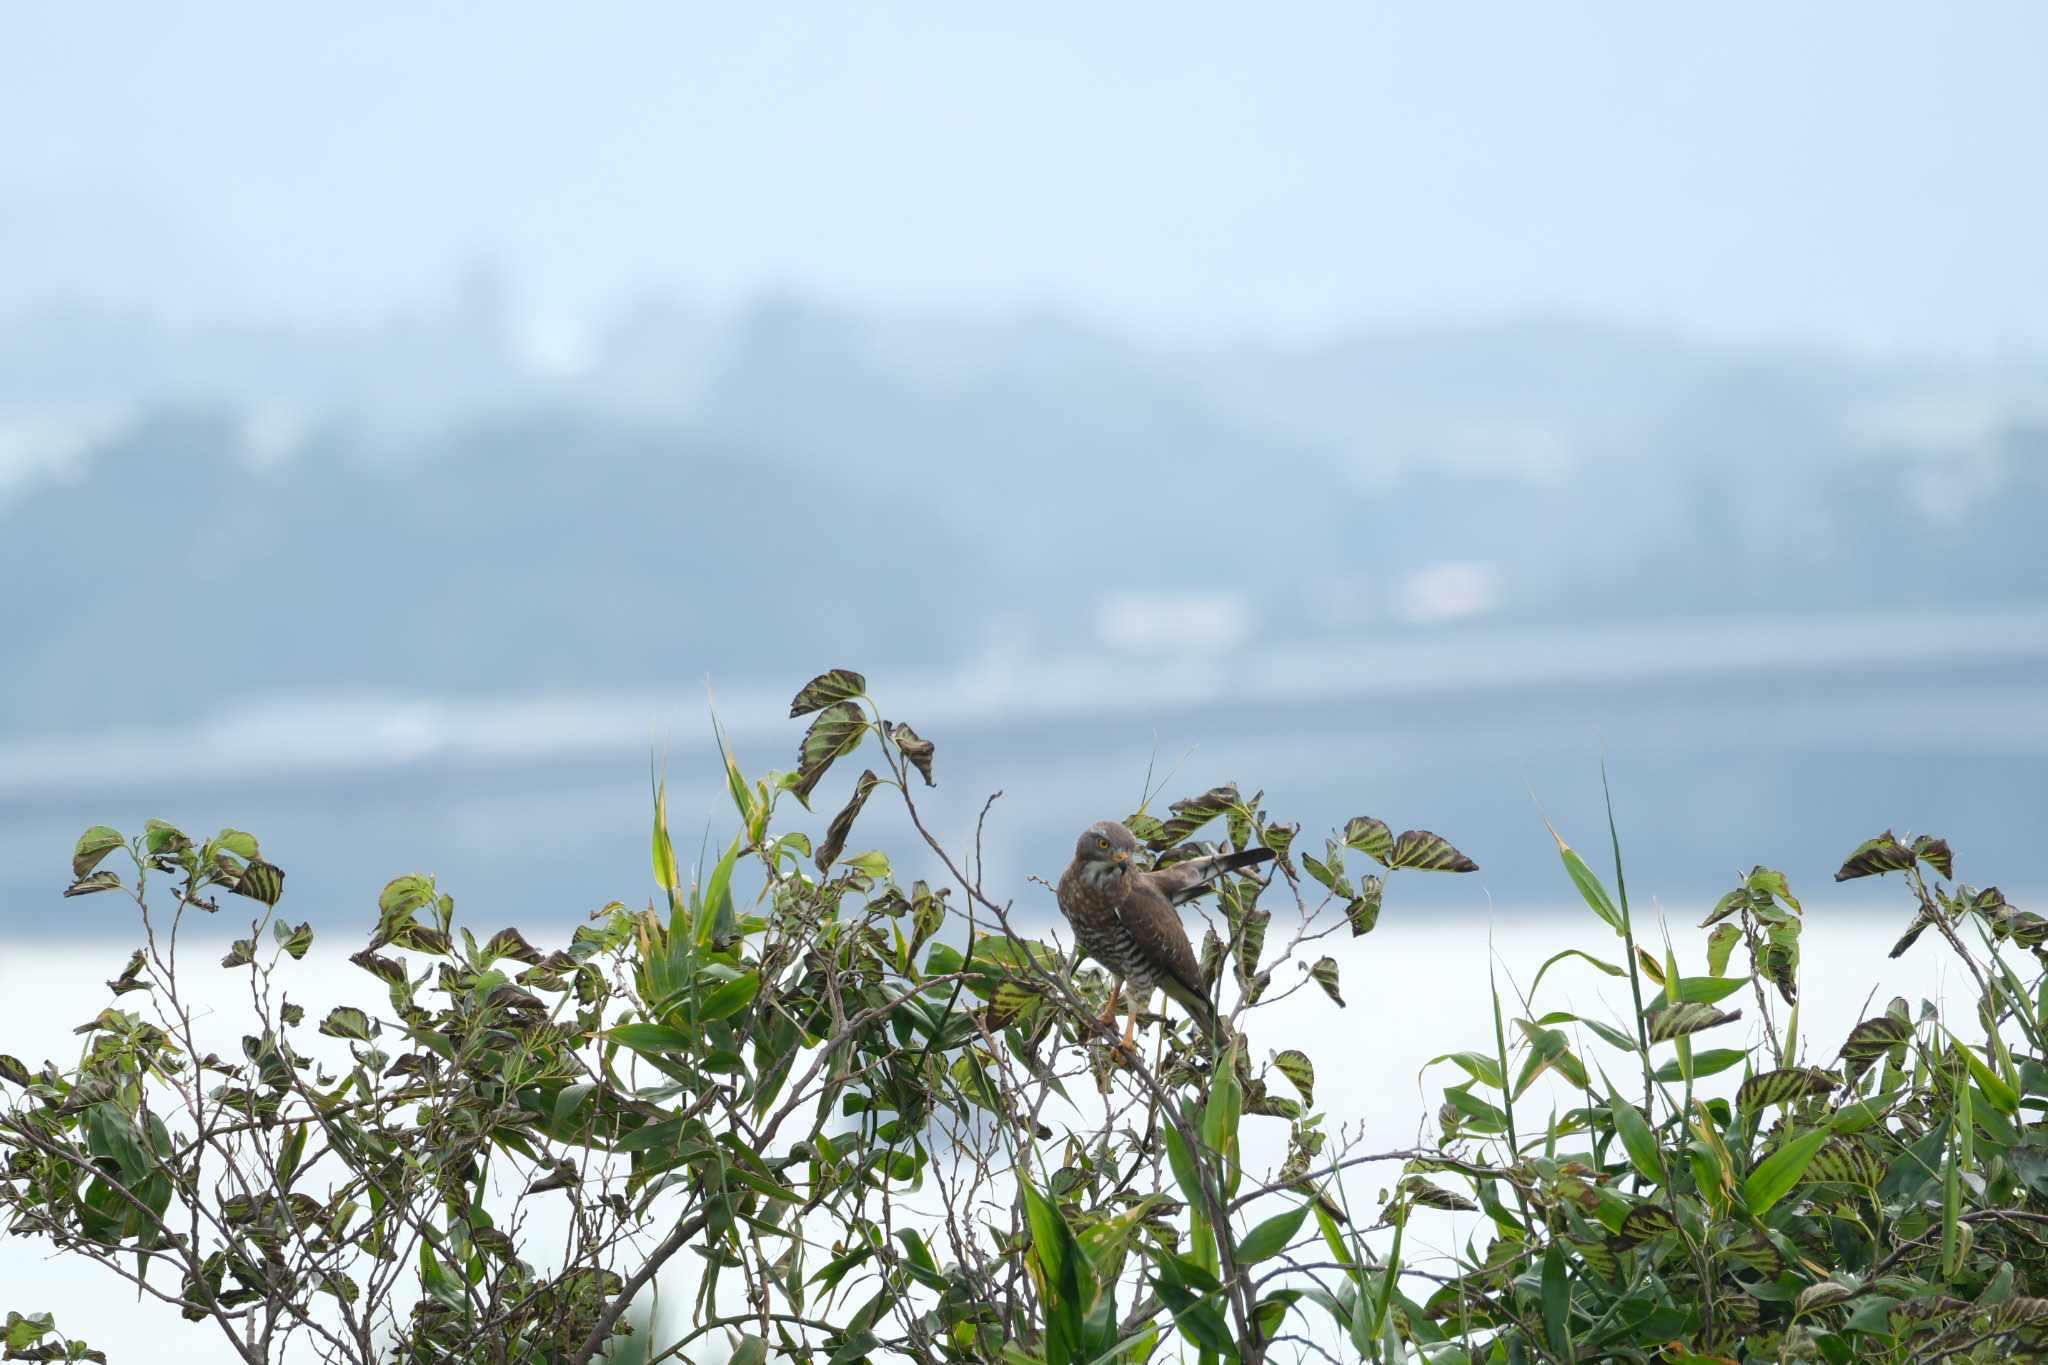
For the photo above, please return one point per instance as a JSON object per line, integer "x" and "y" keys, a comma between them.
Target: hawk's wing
{"x": 1183, "y": 881}
{"x": 1154, "y": 929}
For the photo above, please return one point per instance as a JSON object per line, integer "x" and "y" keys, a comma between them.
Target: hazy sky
{"x": 1858, "y": 175}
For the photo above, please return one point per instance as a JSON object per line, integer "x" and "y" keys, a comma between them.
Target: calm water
{"x": 1784, "y": 743}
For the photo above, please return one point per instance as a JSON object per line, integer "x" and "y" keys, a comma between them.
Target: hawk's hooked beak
{"x": 1123, "y": 864}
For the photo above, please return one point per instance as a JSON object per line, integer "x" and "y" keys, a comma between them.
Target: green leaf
{"x": 1697, "y": 989}
{"x": 346, "y": 1021}
{"x": 240, "y": 953}
{"x": 1557, "y": 1303}
{"x": 2002, "y": 1096}
{"x": 1418, "y": 848}
{"x": 403, "y": 895}
{"x": 237, "y": 842}
{"x": 1844, "y": 1161}
{"x": 1935, "y": 853}
{"x": 730, "y": 998}
{"x": 93, "y": 845}
{"x": 1370, "y": 837}
{"x": 1872, "y": 1039}
{"x": 92, "y": 882}
{"x": 1787, "y": 1085}
{"x": 261, "y": 881}
{"x": 1770, "y": 882}
{"x": 161, "y": 837}
{"x": 1590, "y": 890}
{"x": 1364, "y": 911}
{"x": 294, "y": 941}
{"x": 1720, "y": 944}
{"x": 1777, "y": 1173}
{"x": 837, "y": 731}
{"x": 1324, "y": 974}
{"x": 1271, "y": 1237}
{"x": 837, "y": 685}
{"x": 1607, "y": 967}
{"x": 1875, "y": 857}
{"x": 1711, "y": 1062}
{"x": 1679, "y": 1020}
{"x": 1636, "y": 1138}
{"x": 1191, "y": 813}
{"x": 834, "y": 842}
{"x": 1479, "y": 1066}
{"x": 918, "y": 751}
{"x": 1300, "y": 1072}
{"x": 651, "y": 1038}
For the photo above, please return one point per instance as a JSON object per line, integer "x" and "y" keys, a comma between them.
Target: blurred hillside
{"x": 456, "y": 503}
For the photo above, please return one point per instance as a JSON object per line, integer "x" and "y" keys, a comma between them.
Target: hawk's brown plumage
{"x": 1124, "y": 916}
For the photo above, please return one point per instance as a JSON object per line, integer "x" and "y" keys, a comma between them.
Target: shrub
{"x": 886, "y": 1124}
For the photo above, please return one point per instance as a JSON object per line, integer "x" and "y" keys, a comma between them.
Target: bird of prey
{"x": 1125, "y": 918}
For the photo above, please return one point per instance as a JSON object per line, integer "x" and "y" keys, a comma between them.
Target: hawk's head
{"x": 1106, "y": 851}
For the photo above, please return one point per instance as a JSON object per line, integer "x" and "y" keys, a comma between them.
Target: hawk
{"x": 1125, "y": 918}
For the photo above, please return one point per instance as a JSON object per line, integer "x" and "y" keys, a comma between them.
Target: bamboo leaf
{"x": 1776, "y": 1174}
{"x": 1271, "y": 1237}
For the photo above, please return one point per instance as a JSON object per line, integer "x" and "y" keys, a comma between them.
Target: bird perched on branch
{"x": 1125, "y": 918}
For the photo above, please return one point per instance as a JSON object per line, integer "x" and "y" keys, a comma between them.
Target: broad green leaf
{"x": 1364, "y": 910}
{"x": 837, "y": 731}
{"x": 1190, "y": 813}
{"x": 237, "y": 842}
{"x": 1935, "y": 853}
{"x": 1875, "y": 857}
{"x": 840, "y": 684}
{"x": 1677, "y": 1021}
{"x": 1371, "y": 837}
{"x": 346, "y": 1021}
{"x": 92, "y": 882}
{"x": 1324, "y": 973}
{"x": 1872, "y": 1039}
{"x": 1300, "y": 1072}
{"x": 917, "y": 751}
{"x": 1787, "y": 1085}
{"x": 1720, "y": 944}
{"x": 1844, "y": 1161}
{"x": 261, "y": 881}
{"x": 834, "y": 842}
{"x": 1418, "y": 848}
{"x": 294, "y": 941}
{"x": 93, "y": 845}
{"x": 1766, "y": 881}
{"x": 1777, "y": 1173}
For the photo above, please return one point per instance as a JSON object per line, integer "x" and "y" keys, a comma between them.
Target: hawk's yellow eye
{"x": 1102, "y": 843}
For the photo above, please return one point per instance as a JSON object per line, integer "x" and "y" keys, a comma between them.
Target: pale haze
{"x": 1851, "y": 177}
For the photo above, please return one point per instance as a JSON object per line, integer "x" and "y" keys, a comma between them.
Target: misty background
{"x": 412, "y": 425}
